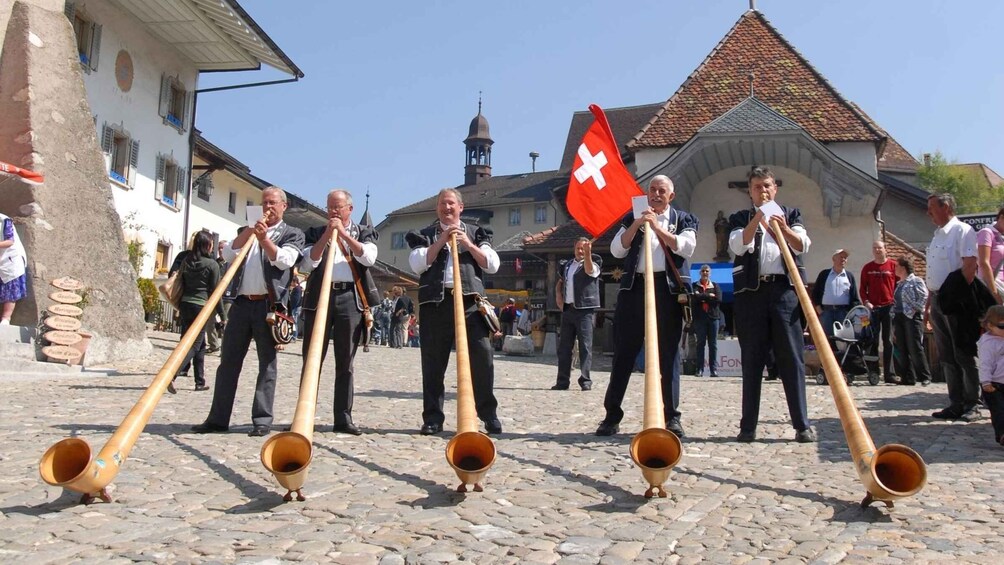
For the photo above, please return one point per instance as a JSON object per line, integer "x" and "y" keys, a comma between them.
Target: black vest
{"x": 363, "y": 234}
{"x": 746, "y": 268}
{"x": 586, "y": 289}
{"x": 679, "y": 222}
{"x": 431, "y": 286}
{"x": 276, "y": 279}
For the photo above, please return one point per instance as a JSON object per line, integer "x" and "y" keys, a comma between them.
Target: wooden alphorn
{"x": 655, "y": 450}
{"x": 890, "y": 472}
{"x": 470, "y": 452}
{"x": 287, "y": 455}
{"x": 68, "y": 463}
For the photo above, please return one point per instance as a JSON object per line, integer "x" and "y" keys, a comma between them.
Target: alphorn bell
{"x": 655, "y": 450}
{"x": 890, "y": 472}
{"x": 68, "y": 463}
{"x": 470, "y": 452}
{"x": 287, "y": 455}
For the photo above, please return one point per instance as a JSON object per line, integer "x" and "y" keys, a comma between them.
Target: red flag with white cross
{"x": 600, "y": 189}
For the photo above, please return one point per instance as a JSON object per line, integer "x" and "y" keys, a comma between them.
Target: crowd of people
{"x": 958, "y": 299}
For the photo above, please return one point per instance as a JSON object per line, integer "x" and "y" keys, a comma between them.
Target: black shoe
{"x": 431, "y": 429}
{"x": 171, "y": 389}
{"x": 925, "y": 383}
{"x": 348, "y": 429}
{"x": 675, "y": 427}
{"x": 714, "y": 375}
{"x": 606, "y": 429}
{"x": 805, "y": 436}
{"x": 947, "y": 414}
{"x": 746, "y": 436}
{"x": 209, "y": 428}
{"x": 559, "y": 387}
{"x": 259, "y": 431}
{"x": 770, "y": 378}
{"x": 366, "y": 349}
{"x": 200, "y": 388}
{"x": 493, "y": 426}
{"x": 892, "y": 380}
{"x": 586, "y": 386}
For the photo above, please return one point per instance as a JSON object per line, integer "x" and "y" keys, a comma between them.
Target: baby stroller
{"x": 851, "y": 339}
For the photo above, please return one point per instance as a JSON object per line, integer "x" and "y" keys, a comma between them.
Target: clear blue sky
{"x": 391, "y": 87}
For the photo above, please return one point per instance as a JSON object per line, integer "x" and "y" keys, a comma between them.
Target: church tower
{"x": 479, "y": 150}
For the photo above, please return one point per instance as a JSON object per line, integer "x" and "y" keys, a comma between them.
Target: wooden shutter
{"x": 95, "y": 46}
{"x": 70, "y": 9}
{"x": 165, "y": 95}
{"x": 107, "y": 138}
{"x": 187, "y": 117}
{"x": 133, "y": 161}
{"x": 182, "y": 184}
{"x": 159, "y": 175}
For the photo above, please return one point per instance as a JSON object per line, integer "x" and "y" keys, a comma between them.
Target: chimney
{"x": 927, "y": 159}
{"x": 533, "y": 160}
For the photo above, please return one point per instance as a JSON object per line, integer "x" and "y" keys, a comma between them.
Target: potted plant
{"x": 150, "y": 297}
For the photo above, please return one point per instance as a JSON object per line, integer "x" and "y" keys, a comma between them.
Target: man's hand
{"x": 261, "y": 230}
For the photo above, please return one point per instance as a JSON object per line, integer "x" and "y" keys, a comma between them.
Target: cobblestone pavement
{"x": 556, "y": 493}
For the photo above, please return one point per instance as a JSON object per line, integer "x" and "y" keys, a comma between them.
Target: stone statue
{"x": 721, "y": 237}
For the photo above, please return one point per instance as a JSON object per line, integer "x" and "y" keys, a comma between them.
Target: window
{"x": 170, "y": 181}
{"x": 88, "y": 36}
{"x": 175, "y": 102}
{"x": 540, "y": 214}
{"x": 232, "y": 205}
{"x": 248, "y": 203}
{"x": 123, "y": 154}
{"x": 160, "y": 259}
{"x": 204, "y": 185}
{"x": 397, "y": 240}
{"x": 514, "y": 216}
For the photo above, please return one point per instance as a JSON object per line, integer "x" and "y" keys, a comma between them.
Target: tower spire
{"x": 479, "y": 102}
{"x": 367, "y": 220}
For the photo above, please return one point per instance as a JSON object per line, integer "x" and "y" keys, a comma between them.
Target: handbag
{"x": 488, "y": 314}
{"x": 172, "y": 288}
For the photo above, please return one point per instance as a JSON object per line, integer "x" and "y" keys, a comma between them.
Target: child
{"x": 991, "y": 354}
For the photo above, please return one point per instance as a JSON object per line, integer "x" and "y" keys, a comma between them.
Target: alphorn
{"x": 470, "y": 452}
{"x": 655, "y": 450}
{"x": 889, "y": 472}
{"x": 68, "y": 463}
{"x": 287, "y": 455}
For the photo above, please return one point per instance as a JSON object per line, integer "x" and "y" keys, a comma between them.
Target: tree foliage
{"x": 970, "y": 188}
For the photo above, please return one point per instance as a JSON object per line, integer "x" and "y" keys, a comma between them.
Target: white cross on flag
{"x": 600, "y": 189}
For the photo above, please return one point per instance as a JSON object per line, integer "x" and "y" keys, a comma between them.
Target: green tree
{"x": 971, "y": 190}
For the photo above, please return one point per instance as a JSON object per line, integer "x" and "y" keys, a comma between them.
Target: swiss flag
{"x": 600, "y": 189}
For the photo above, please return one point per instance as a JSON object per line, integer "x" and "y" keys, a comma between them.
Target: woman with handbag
{"x": 199, "y": 275}
{"x": 990, "y": 256}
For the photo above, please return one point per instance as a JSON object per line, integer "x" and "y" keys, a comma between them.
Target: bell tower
{"x": 478, "y": 146}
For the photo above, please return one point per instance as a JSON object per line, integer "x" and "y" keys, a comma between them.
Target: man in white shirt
{"x": 953, "y": 247}
{"x": 345, "y": 326}
{"x": 835, "y": 292}
{"x": 260, "y": 285}
{"x": 432, "y": 261}
{"x": 578, "y": 294}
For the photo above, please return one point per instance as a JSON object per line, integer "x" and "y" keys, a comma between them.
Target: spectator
{"x": 200, "y": 274}
{"x": 991, "y": 349}
{"x": 413, "y": 329}
{"x": 507, "y": 317}
{"x": 706, "y": 319}
{"x": 295, "y": 301}
{"x": 909, "y": 299}
{"x": 835, "y": 292}
{"x": 13, "y": 265}
{"x": 878, "y": 281}
{"x": 990, "y": 255}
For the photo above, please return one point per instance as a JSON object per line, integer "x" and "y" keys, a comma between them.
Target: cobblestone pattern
{"x": 556, "y": 493}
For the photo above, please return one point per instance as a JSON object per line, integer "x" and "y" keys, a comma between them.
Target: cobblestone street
{"x": 556, "y": 493}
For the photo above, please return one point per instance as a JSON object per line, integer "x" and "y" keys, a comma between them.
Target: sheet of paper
{"x": 638, "y": 205}
{"x": 254, "y": 214}
{"x": 771, "y": 208}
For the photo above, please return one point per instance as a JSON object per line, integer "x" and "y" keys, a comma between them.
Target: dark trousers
{"x": 345, "y": 330}
{"x": 958, "y": 367}
{"x": 770, "y": 318}
{"x": 395, "y": 332}
{"x": 830, "y": 315}
{"x": 911, "y": 360}
{"x": 246, "y": 322}
{"x": 187, "y": 312}
{"x": 575, "y": 324}
{"x": 629, "y": 336}
{"x": 706, "y": 331}
{"x": 881, "y": 322}
{"x": 995, "y": 404}
{"x": 436, "y": 334}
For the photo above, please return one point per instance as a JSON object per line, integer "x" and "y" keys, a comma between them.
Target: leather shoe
{"x": 559, "y": 387}
{"x": 200, "y": 388}
{"x": 746, "y": 436}
{"x": 431, "y": 429}
{"x": 714, "y": 375}
{"x": 805, "y": 436}
{"x": 259, "y": 431}
{"x": 947, "y": 414}
{"x": 348, "y": 429}
{"x": 171, "y": 389}
{"x": 606, "y": 429}
{"x": 586, "y": 386}
{"x": 493, "y": 426}
{"x": 209, "y": 428}
{"x": 675, "y": 427}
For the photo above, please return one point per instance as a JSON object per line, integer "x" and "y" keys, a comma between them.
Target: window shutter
{"x": 70, "y": 9}
{"x": 107, "y": 138}
{"x": 158, "y": 183}
{"x": 95, "y": 46}
{"x": 165, "y": 95}
{"x": 182, "y": 181}
{"x": 133, "y": 161}
{"x": 187, "y": 117}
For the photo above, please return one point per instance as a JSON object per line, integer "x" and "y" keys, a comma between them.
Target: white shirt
{"x": 573, "y": 266}
{"x": 837, "y": 291}
{"x": 418, "y": 259}
{"x": 771, "y": 260}
{"x": 253, "y": 281}
{"x": 950, "y": 244}
{"x": 340, "y": 269}
{"x": 686, "y": 242}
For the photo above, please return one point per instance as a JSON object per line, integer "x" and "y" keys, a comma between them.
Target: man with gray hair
{"x": 952, "y": 248}
{"x": 674, "y": 242}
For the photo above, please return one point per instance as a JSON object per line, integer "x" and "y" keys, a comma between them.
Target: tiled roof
{"x": 624, "y": 122}
{"x": 896, "y": 247}
{"x": 563, "y": 238}
{"x": 895, "y": 158}
{"x": 784, "y": 80}
{"x": 498, "y": 191}
{"x": 750, "y": 115}
{"x": 514, "y": 243}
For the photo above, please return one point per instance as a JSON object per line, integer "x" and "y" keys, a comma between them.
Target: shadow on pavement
{"x": 67, "y": 499}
